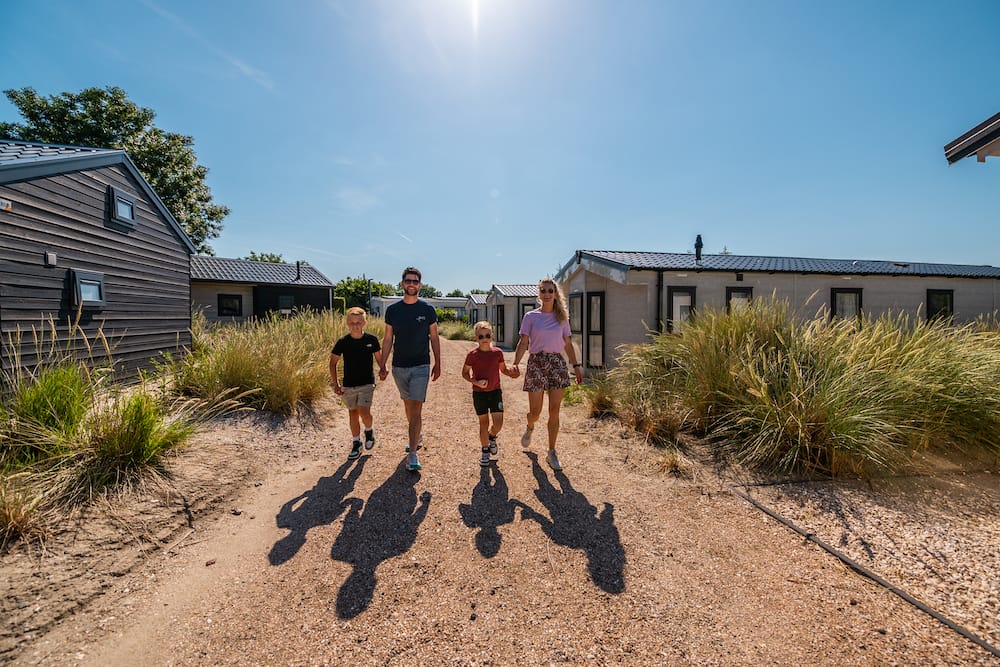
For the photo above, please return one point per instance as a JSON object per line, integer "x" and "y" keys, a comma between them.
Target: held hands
{"x": 383, "y": 373}
{"x": 513, "y": 371}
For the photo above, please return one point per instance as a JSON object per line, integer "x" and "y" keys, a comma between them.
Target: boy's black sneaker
{"x": 369, "y": 439}
{"x": 493, "y": 445}
{"x": 355, "y": 450}
{"x": 485, "y": 458}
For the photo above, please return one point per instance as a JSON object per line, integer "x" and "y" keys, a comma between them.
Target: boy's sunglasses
{"x": 482, "y": 336}
{"x": 546, "y": 290}
{"x": 411, "y": 281}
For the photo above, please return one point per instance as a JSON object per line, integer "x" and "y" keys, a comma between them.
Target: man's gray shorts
{"x": 412, "y": 382}
{"x": 359, "y": 397}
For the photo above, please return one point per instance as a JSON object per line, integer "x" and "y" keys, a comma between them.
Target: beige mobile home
{"x": 616, "y": 298}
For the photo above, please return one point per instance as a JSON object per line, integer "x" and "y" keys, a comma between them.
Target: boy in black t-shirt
{"x": 357, "y": 349}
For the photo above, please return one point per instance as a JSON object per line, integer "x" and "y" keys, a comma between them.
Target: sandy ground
{"x": 273, "y": 549}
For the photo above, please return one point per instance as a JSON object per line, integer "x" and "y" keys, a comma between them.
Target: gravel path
{"x": 317, "y": 560}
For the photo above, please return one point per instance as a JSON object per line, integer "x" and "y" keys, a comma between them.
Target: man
{"x": 409, "y": 325}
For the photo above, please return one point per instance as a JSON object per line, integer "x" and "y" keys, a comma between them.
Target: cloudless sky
{"x": 485, "y": 141}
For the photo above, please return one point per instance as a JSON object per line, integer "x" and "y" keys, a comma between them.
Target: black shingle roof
{"x": 522, "y": 290}
{"x": 219, "y": 269}
{"x": 746, "y": 263}
{"x": 23, "y": 151}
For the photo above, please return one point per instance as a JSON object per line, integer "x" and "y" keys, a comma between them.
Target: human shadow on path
{"x": 490, "y": 509}
{"x": 575, "y": 524}
{"x": 319, "y": 506}
{"x": 386, "y": 528}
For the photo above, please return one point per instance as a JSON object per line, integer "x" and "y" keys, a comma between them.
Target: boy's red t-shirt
{"x": 485, "y": 365}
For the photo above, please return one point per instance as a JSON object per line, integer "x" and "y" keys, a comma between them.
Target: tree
{"x": 479, "y": 291}
{"x": 354, "y": 291}
{"x": 265, "y": 257}
{"x": 456, "y": 292}
{"x": 106, "y": 118}
{"x": 428, "y": 292}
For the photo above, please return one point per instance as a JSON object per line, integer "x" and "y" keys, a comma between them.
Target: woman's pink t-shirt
{"x": 545, "y": 333}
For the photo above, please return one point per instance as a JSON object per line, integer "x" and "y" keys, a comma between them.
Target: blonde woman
{"x": 545, "y": 336}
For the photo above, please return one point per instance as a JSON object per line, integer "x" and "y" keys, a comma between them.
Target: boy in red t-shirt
{"x": 483, "y": 366}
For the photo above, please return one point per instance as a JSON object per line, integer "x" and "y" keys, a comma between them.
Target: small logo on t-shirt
{"x": 421, "y": 318}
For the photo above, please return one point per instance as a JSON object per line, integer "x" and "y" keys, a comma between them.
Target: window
{"x": 88, "y": 289}
{"x": 498, "y": 325}
{"x": 680, "y": 304}
{"x": 230, "y": 305}
{"x": 595, "y": 329}
{"x": 121, "y": 207}
{"x": 738, "y": 298}
{"x": 940, "y": 304}
{"x": 845, "y": 302}
{"x": 575, "y": 308}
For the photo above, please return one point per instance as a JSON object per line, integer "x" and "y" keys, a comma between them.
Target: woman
{"x": 545, "y": 334}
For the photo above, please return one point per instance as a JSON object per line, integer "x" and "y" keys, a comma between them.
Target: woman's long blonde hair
{"x": 559, "y": 303}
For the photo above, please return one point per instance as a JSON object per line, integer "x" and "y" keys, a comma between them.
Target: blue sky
{"x": 484, "y": 141}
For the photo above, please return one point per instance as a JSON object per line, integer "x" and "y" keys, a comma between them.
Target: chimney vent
{"x": 698, "y": 245}
{"x": 298, "y": 270}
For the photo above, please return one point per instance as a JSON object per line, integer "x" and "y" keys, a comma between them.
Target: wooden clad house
{"x": 83, "y": 238}
{"x": 233, "y": 290}
{"x": 617, "y": 297}
{"x": 983, "y": 141}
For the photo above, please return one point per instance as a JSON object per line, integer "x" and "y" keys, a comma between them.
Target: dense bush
{"x": 816, "y": 396}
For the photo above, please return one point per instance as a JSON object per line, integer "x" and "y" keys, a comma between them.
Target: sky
{"x": 485, "y": 141}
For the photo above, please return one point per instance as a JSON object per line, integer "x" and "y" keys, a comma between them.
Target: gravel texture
{"x": 272, "y": 548}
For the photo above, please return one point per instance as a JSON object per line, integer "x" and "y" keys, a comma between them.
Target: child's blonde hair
{"x": 482, "y": 324}
{"x": 356, "y": 310}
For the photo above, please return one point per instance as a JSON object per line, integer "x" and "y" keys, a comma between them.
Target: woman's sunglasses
{"x": 546, "y": 290}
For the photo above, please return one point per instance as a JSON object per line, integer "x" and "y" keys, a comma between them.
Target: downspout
{"x": 659, "y": 301}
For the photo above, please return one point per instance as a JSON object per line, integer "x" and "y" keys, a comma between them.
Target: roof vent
{"x": 698, "y": 245}
{"x": 902, "y": 265}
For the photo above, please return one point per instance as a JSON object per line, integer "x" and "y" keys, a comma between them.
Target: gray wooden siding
{"x": 146, "y": 269}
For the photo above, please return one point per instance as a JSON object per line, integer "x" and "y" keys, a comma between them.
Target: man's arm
{"x": 386, "y": 349}
{"x": 436, "y": 349}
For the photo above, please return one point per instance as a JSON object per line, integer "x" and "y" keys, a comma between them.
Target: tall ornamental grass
{"x": 279, "y": 364}
{"x": 819, "y": 396}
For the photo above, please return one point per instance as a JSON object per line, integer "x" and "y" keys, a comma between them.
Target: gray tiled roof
{"x": 523, "y": 290}
{"x": 478, "y": 298}
{"x": 219, "y": 269}
{"x": 686, "y": 262}
{"x": 22, "y": 151}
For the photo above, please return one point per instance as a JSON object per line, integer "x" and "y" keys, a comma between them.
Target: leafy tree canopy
{"x": 428, "y": 291}
{"x": 265, "y": 257}
{"x": 456, "y": 292}
{"x": 354, "y": 291}
{"x": 106, "y": 118}
{"x": 479, "y": 291}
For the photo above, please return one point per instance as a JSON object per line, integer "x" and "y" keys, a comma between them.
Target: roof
{"x": 478, "y": 298}
{"x": 669, "y": 261}
{"x": 983, "y": 140}
{"x": 521, "y": 290}
{"x": 25, "y": 161}
{"x": 219, "y": 269}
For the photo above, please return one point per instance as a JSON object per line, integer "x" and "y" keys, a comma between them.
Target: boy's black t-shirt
{"x": 357, "y": 354}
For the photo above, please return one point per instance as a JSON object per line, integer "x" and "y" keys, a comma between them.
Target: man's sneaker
{"x": 526, "y": 438}
{"x": 369, "y": 439}
{"x": 355, "y": 450}
{"x": 420, "y": 440}
{"x": 553, "y": 460}
{"x": 413, "y": 465}
{"x": 484, "y": 460}
{"x": 493, "y": 445}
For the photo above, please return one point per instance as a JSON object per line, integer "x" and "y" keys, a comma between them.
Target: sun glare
{"x": 474, "y": 15}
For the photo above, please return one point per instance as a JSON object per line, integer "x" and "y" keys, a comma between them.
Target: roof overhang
{"x": 982, "y": 141}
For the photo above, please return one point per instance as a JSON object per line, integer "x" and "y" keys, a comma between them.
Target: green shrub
{"x": 456, "y": 330}
{"x": 831, "y": 397}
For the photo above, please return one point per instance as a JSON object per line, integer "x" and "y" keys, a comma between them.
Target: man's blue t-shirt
{"x": 411, "y": 330}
